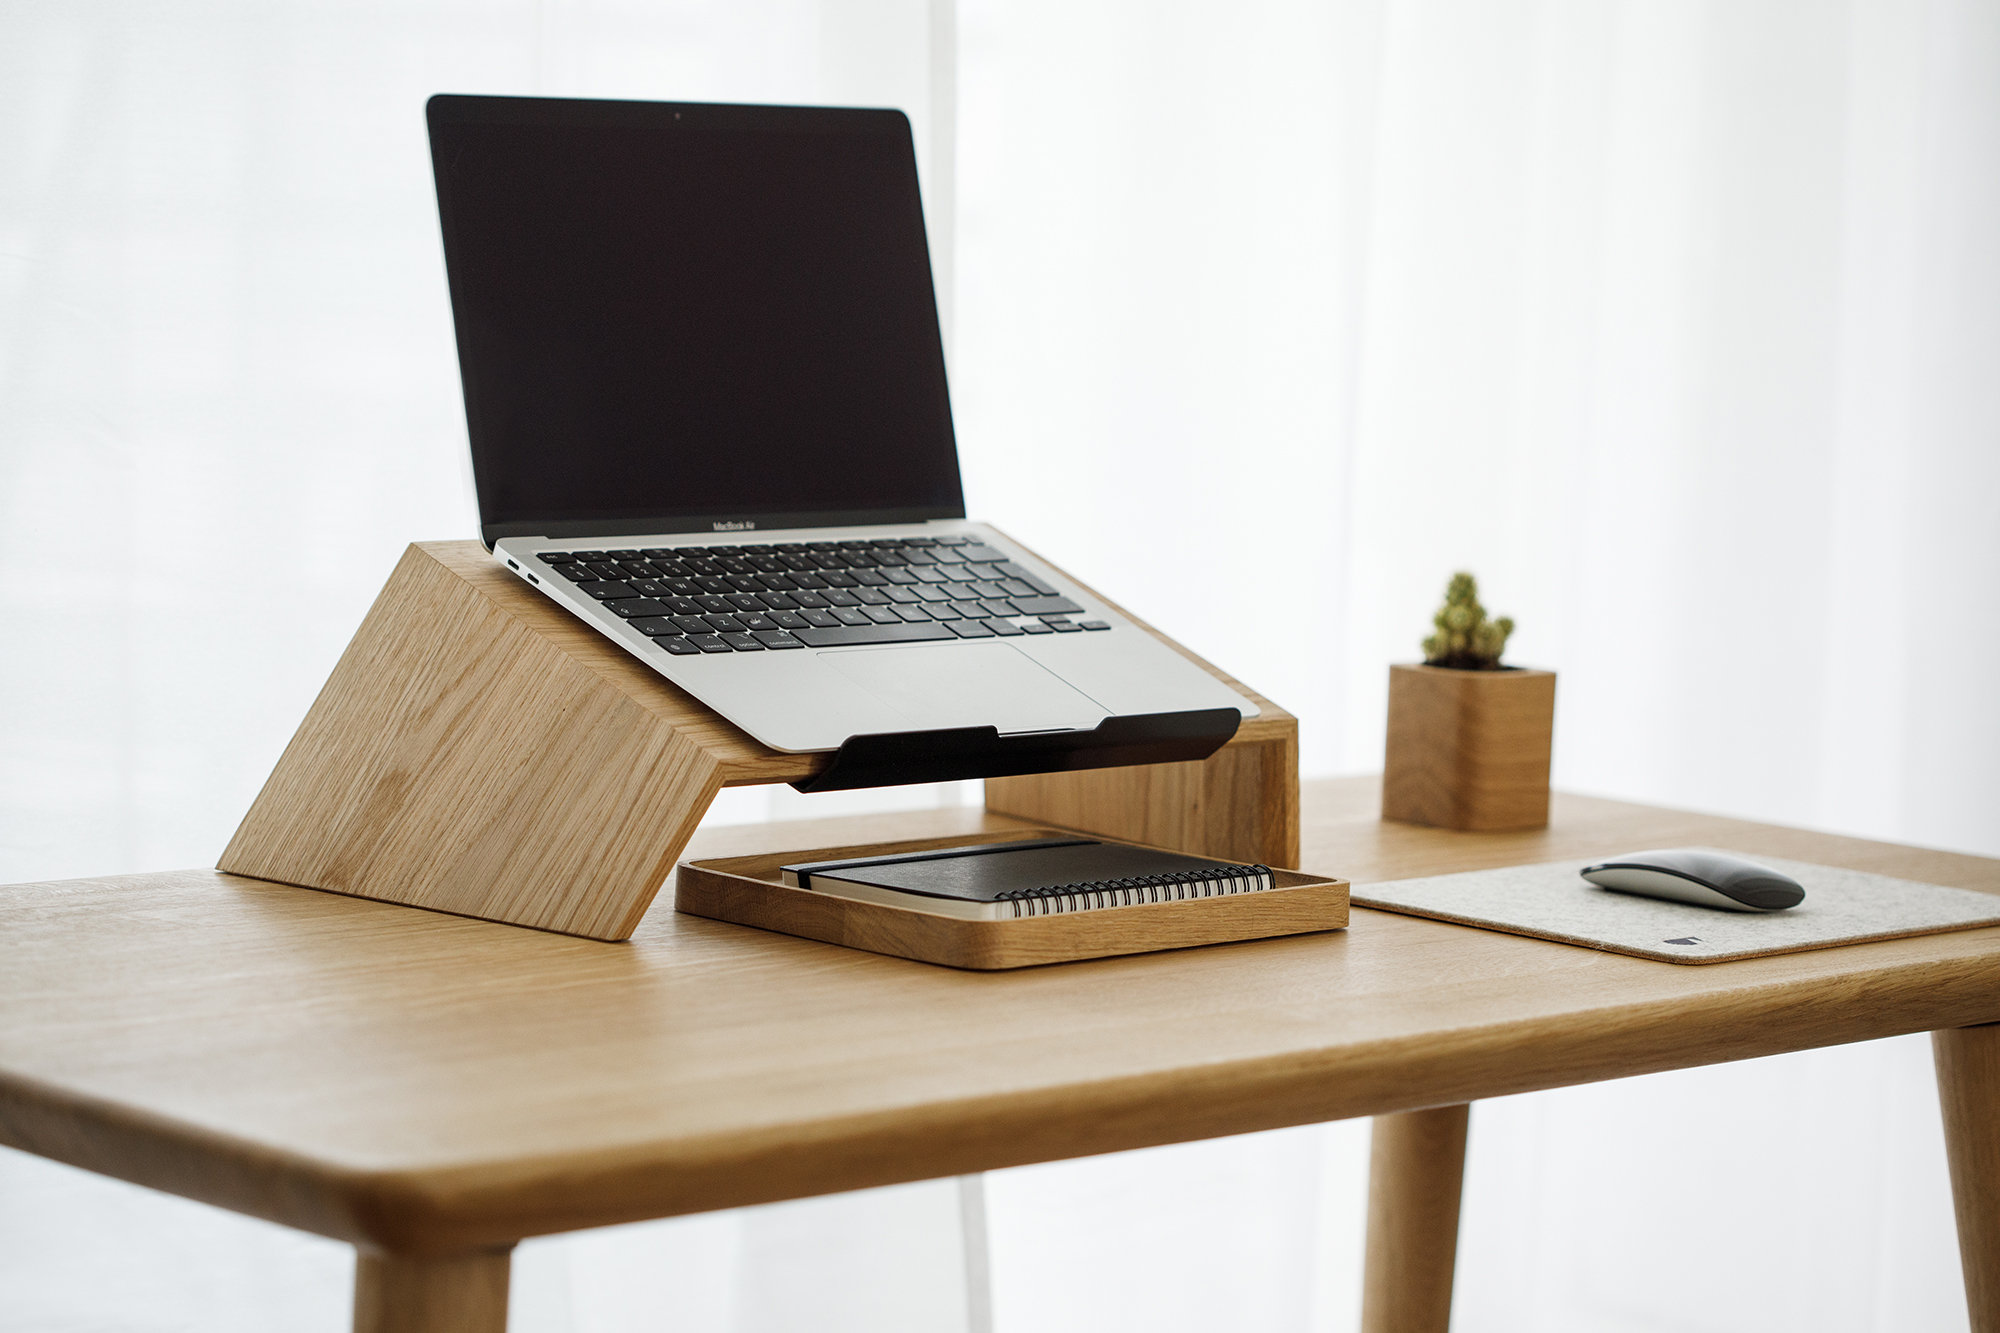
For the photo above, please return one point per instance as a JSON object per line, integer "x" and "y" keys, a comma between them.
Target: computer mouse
{"x": 1699, "y": 875}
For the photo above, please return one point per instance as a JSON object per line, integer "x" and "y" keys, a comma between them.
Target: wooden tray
{"x": 747, "y": 890}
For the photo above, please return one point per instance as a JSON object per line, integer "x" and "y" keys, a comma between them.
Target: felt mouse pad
{"x": 1554, "y": 902}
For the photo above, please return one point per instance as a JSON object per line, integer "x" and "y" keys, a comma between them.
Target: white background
{"x": 1677, "y": 322}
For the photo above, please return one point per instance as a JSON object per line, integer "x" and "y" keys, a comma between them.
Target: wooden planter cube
{"x": 1469, "y": 749}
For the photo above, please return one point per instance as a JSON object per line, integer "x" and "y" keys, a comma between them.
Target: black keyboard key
{"x": 711, "y": 583}
{"x": 915, "y": 615}
{"x": 724, "y": 625}
{"x": 930, "y": 576}
{"x": 746, "y": 582}
{"x": 655, "y": 626}
{"x": 901, "y": 577}
{"x": 786, "y": 601}
{"x": 659, "y": 553}
{"x": 1004, "y": 628}
{"x": 691, "y": 624}
{"x": 1046, "y": 606}
{"x": 815, "y": 600}
{"x": 820, "y": 619}
{"x": 621, "y": 555}
{"x": 604, "y": 569}
{"x": 985, "y": 588}
{"x": 682, "y": 606}
{"x": 1035, "y": 627}
{"x": 747, "y": 601}
{"x": 871, "y": 597}
{"x": 1092, "y": 624}
{"x": 789, "y": 620}
{"x": 679, "y": 647}
{"x": 963, "y": 574}
{"x": 810, "y": 580}
{"x": 1063, "y": 626}
{"x": 836, "y": 579}
{"x": 715, "y": 603}
{"x": 848, "y": 615}
{"x": 556, "y": 557}
{"x": 777, "y": 582}
{"x": 919, "y": 557}
{"x": 777, "y": 638}
{"x": 575, "y": 573}
{"x": 681, "y": 587}
{"x": 942, "y": 611}
{"x": 648, "y": 587}
{"x": 871, "y": 578}
{"x": 637, "y": 569}
{"x": 743, "y": 642}
{"x": 795, "y": 562}
{"x": 841, "y": 597}
{"x": 631, "y": 608}
{"x": 980, "y": 555}
{"x": 709, "y": 643}
{"x": 927, "y": 593}
{"x": 765, "y": 563}
{"x": 605, "y": 590}
{"x": 755, "y": 621}
{"x": 1013, "y": 571}
{"x": 952, "y": 541}
{"x": 970, "y": 629}
{"x": 840, "y": 636}
{"x": 903, "y": 596}
{"x": 976, "y": 610}
{"x": 881, "y": 615}
{"x": 1000, "y": 606}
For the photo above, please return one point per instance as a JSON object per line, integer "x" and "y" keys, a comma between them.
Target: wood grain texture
{"x": 748, "y": 891}
{"x": 457, "y": 1294}
{"x": 425, "y": 1083}
{"x": 1416, "y": 1174}
{"x": 479, "y": 750}
{"x": 1469, "y": 749}
{"x": 1968, "y": 1076}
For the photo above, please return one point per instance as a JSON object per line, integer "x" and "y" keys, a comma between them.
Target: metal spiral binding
{"x": 1175, "y": 886}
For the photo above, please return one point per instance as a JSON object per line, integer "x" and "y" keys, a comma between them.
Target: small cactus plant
{"x": 1465, "y": 638}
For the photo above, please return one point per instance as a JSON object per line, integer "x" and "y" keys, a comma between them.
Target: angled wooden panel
{"x": 479, "y": 751}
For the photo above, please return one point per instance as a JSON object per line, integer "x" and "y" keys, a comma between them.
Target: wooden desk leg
{"x": 1968, "y": 1076}
{"x": 462, "y": 1294}
{"x": 1416, "y": 1169}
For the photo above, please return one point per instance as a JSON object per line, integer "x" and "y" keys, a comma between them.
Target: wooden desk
{"x": 434, "y": 1089}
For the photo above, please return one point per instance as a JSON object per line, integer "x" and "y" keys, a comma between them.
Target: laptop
{"x": 705, "y": 391}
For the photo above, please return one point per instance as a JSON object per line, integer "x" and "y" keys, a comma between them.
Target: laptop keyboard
{"x": 771, "y": 597}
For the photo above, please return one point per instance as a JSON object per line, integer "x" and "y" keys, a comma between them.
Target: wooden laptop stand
{"x": 479, "y": 750}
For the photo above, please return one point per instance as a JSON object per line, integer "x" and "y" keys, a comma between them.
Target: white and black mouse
{"x": 1701, "y": 876}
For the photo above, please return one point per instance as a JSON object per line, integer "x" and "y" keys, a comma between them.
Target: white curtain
{"x": 1676, "y": 322}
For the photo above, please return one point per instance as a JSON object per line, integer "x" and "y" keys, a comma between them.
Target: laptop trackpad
{"x": 967, "y": 685}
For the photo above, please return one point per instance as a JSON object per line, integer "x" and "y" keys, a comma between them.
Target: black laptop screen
{"x": 687, "y": 317}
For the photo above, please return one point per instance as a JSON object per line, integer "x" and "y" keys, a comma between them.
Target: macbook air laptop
{"x": 705, "y": 391}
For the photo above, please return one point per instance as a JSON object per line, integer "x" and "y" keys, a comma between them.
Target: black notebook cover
{"x": 997, "y": 872}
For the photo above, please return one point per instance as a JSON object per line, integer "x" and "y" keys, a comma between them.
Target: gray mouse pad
{"x": 1553, "y": 902}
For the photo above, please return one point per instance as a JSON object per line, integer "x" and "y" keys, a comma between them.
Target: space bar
{"x": 839, "y": 636}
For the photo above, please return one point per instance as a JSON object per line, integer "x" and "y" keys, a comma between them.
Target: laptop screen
{"x": 691, "y": 318}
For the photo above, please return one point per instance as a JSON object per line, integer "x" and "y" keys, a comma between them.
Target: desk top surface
{"x": 428, "y": 1083}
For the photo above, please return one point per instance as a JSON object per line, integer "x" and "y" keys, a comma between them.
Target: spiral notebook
{"x": 1042, "y": 877}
